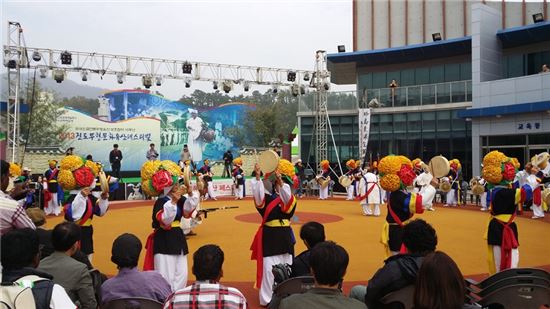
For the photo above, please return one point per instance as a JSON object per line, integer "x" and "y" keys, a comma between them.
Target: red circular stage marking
{"x": 301, "y": 217}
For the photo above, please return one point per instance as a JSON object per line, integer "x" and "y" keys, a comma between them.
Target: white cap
{"x": 192, "y": 111}
{"x": 26, "y": 169}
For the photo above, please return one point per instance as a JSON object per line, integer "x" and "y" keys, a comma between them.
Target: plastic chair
{"x": 508, "y": 274}
{"x": 400, "y": 299}
{"x": 132, "y": 303}
{"x": 525, "y": 296}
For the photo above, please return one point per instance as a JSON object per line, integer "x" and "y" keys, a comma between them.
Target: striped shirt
{"x": 206, "y": 294}
{"x": 12, "y": 215}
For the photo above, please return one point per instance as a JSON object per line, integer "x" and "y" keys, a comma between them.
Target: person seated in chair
{"x": 130, "y": 282}
{"x": 329, "y": 262}
{"x": 207, "y": 292}
{"x": 311, "y": 233}
{"x": 399, "y": 271}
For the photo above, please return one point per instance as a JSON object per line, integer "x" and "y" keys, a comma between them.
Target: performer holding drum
{"x": 274, "y": 241}
{"x": 323, "y": 180}
{"x": 354, "y": 174}
{"x": 207, "y": 174}
{"x": 425, "y": 184}
{"x": 541, "y": 169}
{"x": 453, "y": 195}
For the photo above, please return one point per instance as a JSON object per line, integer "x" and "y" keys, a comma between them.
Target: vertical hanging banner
{"x": 364, "y": 128}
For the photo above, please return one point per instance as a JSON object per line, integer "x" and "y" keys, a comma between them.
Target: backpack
{"x": 27, "y": 292}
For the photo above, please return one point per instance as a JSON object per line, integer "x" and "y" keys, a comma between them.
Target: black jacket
{"x": 300, "y": 265}
{"x": 398, "y": 272}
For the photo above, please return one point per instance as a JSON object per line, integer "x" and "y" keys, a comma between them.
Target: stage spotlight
{"x": 186, "y": 67}
{"x": 227, "y": 86}
{"x": 275, "y": 89}
{"x": 326, "y": 85}
{"x": 120, "y": 77}
{"x": 66, "y": 58}
{"x": 246, "y": 86}
{"x": 538, "y": 18}
{"x": 43, "y": 72}
{"x": 306, "y": 77}
{"x": 58, "y": 75}
{"x": 147, "y": 81}
{"x": 291, "y": 76}
{"x": 341, "y": 48}
{"x": 436, "y": 36}
{"x": 302, "y": 89}
{"x": 215, "y": 85}
{"x": 188, "y": 83}
{"x": 84, "y": 75}
{"x": 158, "y": 81}
{"x": 36, "y": 56}
{"x": 12, "y": 64}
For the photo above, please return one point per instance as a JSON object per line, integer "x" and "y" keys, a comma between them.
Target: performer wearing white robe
{"x": 194, "y": 142}
{"x": 370, "y": 194}
{"x": 427, "y": 191}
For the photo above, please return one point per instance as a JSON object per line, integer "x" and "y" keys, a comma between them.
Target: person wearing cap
{"x": 274, "y": 241}
{"x": 353, "y": 173}
{"x": 115, "y": 158}
{"x": 299, "y": 169}
{"x": 130, "y": 282}
{"x": 26, "y": 174}
{"x": 238, "y": 178}
{"x": 51, "y": 188}
{"x": 323, "y": 176}
{"x": 194, "y": 142}
{"x": 206, "y": 171}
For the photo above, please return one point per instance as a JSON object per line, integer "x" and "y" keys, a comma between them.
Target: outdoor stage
{"x": 460, "y": 234}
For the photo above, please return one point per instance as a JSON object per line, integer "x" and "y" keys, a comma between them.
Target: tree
{"x": 86, "y": 105}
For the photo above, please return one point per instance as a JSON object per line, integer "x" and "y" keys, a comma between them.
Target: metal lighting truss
{"x": 123, "y": 65}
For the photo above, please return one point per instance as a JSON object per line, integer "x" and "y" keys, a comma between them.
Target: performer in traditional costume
{"x": 81, "y": 207}
{"x": 453, "y": 196}
{"x": 274, "y": 241}
{"x": 354, "y": 174}
{"x": 166, "y": 247}
{"x": 207, "y": 174}
{"x": 322, "y": 180}
{"x": 426, "y": 184}
{"x": 541, "y": 169}
{"x": 396, "y": 175}
{"x": 111, "y": 181}
{"x": 370, "y": 193}
{"x": 504, "y": 204}
{"x": 52, "y": 204}
{"x": 238, "y": 178}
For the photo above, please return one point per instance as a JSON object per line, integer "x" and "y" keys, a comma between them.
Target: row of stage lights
{"x": 187, "y": 68}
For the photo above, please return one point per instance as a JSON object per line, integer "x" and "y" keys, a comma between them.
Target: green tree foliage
{"x": 86, "y": 105}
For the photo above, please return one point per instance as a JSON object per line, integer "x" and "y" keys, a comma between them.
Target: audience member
{"x": 20, "y": 257}
{"x": 440, "y": 284}
{"x": 329, "y": 262}
{"x": 152, "y": 153}
{"x": 67, "y": 272}
{"x": 207, "y": 292}
{"x": 12, "y": 215}
{"x": 130, "y": 282}
{"x": 545, "y": 68}
{"x": 311, "y": 233}
{"x": 38, "y": 217}
{"x": 399, "y": 271}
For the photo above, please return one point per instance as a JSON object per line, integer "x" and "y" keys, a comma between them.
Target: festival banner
{"x": 96, "y": 137}
{"x": 364, "y": 129}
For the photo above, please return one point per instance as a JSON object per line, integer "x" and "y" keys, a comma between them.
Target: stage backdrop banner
{"x": 93, "y": 136}
{"x": 364, "y": 128}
